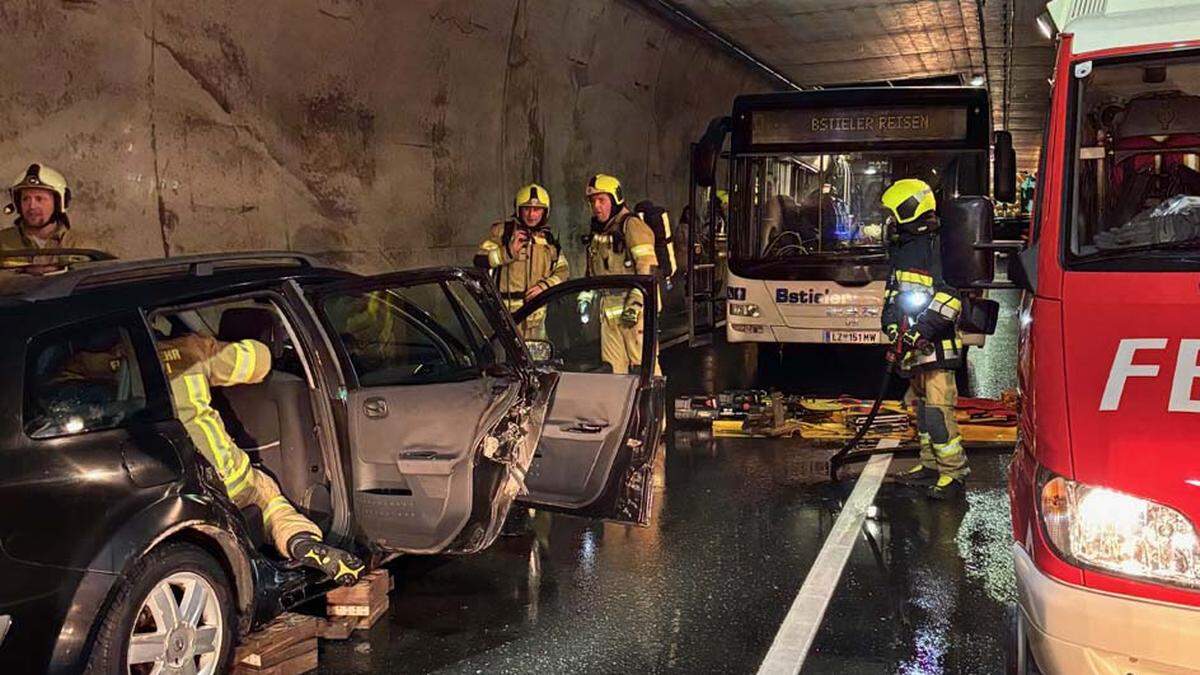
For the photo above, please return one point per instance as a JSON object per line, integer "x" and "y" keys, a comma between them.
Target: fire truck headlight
{"x": 1116, "y": 532}
{"x": 744, "y": 309}
{"x": 914, "y": 301}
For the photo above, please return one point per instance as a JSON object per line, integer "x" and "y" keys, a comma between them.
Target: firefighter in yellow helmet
{"x": 523, "y": 256}
{"x": 195, "y": 363}
{"x": 920, "y": 315}
{"x": 620, "y": 243}
{"x": 40, "y": 197}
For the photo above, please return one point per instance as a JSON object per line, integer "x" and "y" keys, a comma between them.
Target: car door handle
{"x": 375, "y": 408}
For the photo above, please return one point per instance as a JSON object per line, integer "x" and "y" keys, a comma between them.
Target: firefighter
{"x": 40, "y": 198}
{"x": 620, "y": 243}
{"x": 194, "y": 363}
{"x": 919, "y": 317}
{"x": 523, "y": 256}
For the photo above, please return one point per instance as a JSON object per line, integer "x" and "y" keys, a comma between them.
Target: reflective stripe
{"x": 495, "y": 257}
{"x": 947, "y": 305}
{"x": 489, "y": 245}
{"x": 552, "y": 280}
{"x": 950, "y": 448}
{"x": 274, "y": 506}
{"x": 642, "y": 250}
{"x": 952, "y": 345}
{"x": 197, "y": 391}
{"x": 614, "y": 312}
{"x": 239, "y": 479}
{"x": 244, "y": 363}
{"x": 914, "y": 277}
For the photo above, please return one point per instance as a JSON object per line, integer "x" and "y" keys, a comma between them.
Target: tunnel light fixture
{"x": 1045, "y": 24}
{"x": 977, "y": 80}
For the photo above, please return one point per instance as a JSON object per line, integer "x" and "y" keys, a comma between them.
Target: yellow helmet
{"x": 41, "y": 177}
{"x": 604, "y": 184}
{"x": 908, "y": 199}
{"x": 532, "y": 195}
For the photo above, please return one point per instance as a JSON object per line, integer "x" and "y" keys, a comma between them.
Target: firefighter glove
{"x": 915, "y": 342}
{"x": 630, "y": 316}
{"x": 342, "y": 566}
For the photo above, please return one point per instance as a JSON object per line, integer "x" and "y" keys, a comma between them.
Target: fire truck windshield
{"x": 825, "y": 205}
{"x": 1136, "y": 189}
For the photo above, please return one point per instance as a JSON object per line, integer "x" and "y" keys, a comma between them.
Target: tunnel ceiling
{"x": 823, "y": 42}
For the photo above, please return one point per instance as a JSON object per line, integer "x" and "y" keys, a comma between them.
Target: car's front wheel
{"x": 173, "y": 614}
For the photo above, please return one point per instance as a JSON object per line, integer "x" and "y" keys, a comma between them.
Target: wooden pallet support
{"x": 356, "y": 607}
{"x": 286, "y": 646}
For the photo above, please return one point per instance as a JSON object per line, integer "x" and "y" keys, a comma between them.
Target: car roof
{"x": 95, "y": 288}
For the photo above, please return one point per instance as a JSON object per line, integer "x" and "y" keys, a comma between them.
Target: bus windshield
{"x": 828, "y": 205}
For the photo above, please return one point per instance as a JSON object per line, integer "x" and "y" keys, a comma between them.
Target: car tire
{"x": 178, "y": 601}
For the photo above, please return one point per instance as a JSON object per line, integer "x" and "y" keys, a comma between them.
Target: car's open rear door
{"x": 435, "y": 406}
{"x": 600, "y": 436}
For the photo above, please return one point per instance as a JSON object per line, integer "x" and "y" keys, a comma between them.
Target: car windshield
{"x": 827, "y": 205}
{"x": 1137, "y": 159}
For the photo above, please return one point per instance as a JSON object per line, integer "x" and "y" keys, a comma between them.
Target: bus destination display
{"x": 856, "y": 125}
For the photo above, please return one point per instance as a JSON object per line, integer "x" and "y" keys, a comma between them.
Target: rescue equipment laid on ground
{"x": 752, "y": 414}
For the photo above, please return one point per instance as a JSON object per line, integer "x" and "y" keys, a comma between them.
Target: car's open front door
{"x": 599, "y": 439}
{"x": 436, "y": 390}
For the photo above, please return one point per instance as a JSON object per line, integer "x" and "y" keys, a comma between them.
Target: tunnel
{"x": 599, "y": 336}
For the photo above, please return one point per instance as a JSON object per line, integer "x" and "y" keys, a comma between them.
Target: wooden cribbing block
{"x": 286, "y": 646}
{"x": 360, "y": 605}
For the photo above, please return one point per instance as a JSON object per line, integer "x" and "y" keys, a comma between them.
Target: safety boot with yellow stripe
{"x": 946, "y": 488}
{"x": 342, "y": 566}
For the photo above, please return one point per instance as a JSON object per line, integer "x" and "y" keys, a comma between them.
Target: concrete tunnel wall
{"x": 377, "y": 134}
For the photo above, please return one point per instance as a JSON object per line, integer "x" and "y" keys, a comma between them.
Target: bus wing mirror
{"x": 708, "y": 151}
{"x": 1004, "y": 186}
{"x": 966, "y": 231}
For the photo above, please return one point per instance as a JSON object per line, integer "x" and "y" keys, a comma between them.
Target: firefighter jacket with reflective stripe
{"x": 193, "y": 363}
{"x": 540, "y": 264}
{"x": 918, "y": 298}
{"x": 624, "y": 246}
{"x": 15, "y": 239}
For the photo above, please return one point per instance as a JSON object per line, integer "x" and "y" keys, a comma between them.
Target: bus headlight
{"x": 1116, "y": 532}
{"x": 744, "y": 309}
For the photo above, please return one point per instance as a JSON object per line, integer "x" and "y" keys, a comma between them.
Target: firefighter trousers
{"x": 933, "y": 394}
{"x": 621, "y": 345}
{"x": 247, "y": 486}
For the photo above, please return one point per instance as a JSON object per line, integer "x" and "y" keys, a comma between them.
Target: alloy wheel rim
{"x": 178, "y": 629}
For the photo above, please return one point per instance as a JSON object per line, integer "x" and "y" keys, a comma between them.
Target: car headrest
{"x": 251, "y": 323}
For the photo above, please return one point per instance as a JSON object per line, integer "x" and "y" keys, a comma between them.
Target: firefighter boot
{"x": 924, "y": 474}
{"x": 342, "y": 566}
{"x": 947, "y": 488}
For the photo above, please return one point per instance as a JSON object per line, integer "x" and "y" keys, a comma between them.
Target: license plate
{"x": 853, "y": 337}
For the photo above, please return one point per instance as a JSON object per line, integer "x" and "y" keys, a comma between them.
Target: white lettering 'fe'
{"x": 1123, "y": 369}
{"x": 1186, "y": 373}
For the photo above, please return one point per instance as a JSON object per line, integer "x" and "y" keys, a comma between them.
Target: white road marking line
{"x": 795, "y": 637}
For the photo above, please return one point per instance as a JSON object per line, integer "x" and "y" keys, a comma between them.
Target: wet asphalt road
{"x": 738, "y": 523}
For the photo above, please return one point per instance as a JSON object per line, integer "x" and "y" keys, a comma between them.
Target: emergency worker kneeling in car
{"x": 194, "y": 363}
{"x": 523, "y": 256}
{"x": 920, "y": 314}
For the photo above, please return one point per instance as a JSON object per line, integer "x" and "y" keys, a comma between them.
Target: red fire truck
{"x": 1105, "y": 481}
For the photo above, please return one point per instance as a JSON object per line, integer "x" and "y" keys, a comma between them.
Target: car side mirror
{"x": 541, "y": 351}
{"x": 1004, "y": 178}
{"x": 707, "y": 152}
{"x": 966, "y": 230}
